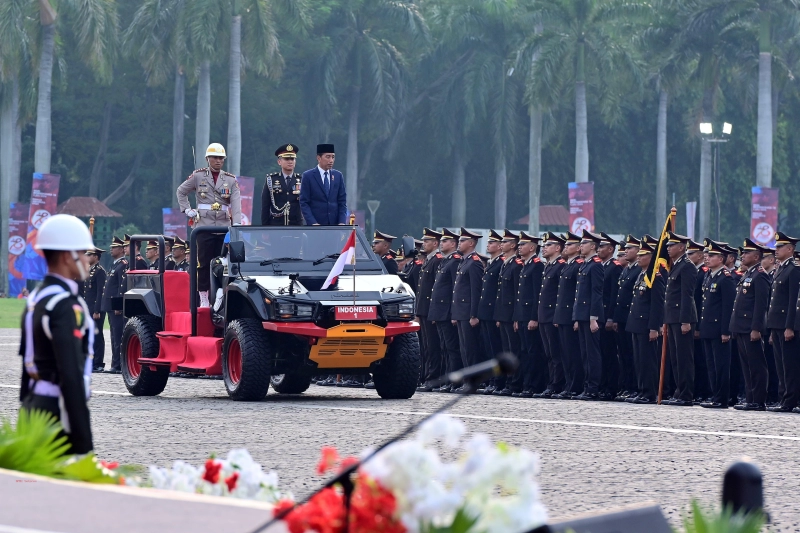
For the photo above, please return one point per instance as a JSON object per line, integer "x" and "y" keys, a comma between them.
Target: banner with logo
{"x": 17, "y": 232}
{"x": 764, "y": 216}
{"x": 174, "y": 222}
{"x": 44, "y": 201}
{"x": 581, "y": 207}
{"x": 247, "y": 189}
{"x": 691, "y": 216}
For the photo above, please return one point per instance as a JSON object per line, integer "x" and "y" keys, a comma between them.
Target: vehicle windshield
{"x": 304, "y": 243}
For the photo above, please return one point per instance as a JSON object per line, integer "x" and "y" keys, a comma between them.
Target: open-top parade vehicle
{"x": 275, "y": 324}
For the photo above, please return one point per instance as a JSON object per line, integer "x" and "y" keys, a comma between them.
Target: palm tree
{"x": 581, "y": 45}
{"x": 369, "y": 58}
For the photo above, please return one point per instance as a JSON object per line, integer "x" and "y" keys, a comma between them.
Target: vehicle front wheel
{"x": 396, "y": 376}
{"x": 246, "y": 360}
{"x": 290, "y": 383}
{"x": 139, "y": 341}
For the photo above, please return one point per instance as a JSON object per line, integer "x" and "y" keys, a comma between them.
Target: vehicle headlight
{"x": 401, "y": 310}
{"x": 293, "y": 310}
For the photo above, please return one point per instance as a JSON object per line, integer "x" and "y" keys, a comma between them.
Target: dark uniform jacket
{"x": 612, "y": 269}
{"x": 467, "y": 287}
{"x": 625, "y": 284}
{"x": 526, "y": 306}
{"x": 183, "y": 266}
{"x": 783, "y": 303}
{"x": 274, "y": 206}
{"x": 507, "y": 289}
{"x": 60, "y": 354}
{"x": 93, "y": 288}
{"x": 489, "y": 286}
{"x": 548, "y": 294}
{"x": 589, "y": 291}
{"x": 389, "y": 263}
{"x": 115, "y": 284}
{"x": 702, "y": 270}
{"x": 647, "y": 306}
{"x": 566, "y": 292}
{"x": 719, "y": 292}
{"x": 140, "y": 263}
{"x": 442, "y": 294}
{"x": 169, "y": 263}
{"x": 679, "y": 303}
{"x": 410, "y": 273}
{"x": 752, "y": 301}
{"x": 427, "y": 276}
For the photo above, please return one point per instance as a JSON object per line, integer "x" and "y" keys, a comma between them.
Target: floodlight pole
{"x": 373, "y": 206}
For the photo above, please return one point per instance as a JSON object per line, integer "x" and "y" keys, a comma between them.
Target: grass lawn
{"x": 11, "y": 312}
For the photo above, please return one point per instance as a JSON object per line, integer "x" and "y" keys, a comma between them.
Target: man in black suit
{"x": 508, "y": 285}
{"x": 719, "y": 292}
{"x": 680, "y": 315}
{"x": 552, "y": 247}
{"x": 490, "y": 333}
{"x": 531, "y": 375}
{"x": 644, "y": 322}
{"x": 781, "y": 322}
{"x": 439, "y": 312}
{"x": 382, "y": 246}
{"x": 748, "y": 324}
{"x": 112, "y": 294}
{"x": 612, "y": 270}
{"x": 429, "y": 335}
{"x": 568, "y": 336}
{"x": 587, "y": 314}
{"x": 696, "y": 253}
{"x": 622, "y": 308}
{"x": 93, "y": 295}
{"x": 466, "y": 297}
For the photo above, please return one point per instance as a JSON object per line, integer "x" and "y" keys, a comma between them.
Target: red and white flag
{"x": 347, "y": 257}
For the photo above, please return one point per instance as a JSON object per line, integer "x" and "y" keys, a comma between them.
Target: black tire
{"x": 290, "y": 383}
{"x": 396, "y": 376}
{"x": 246, "y": 357}
{"x": 139, "y": 340}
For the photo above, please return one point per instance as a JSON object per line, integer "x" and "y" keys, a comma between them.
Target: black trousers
{"x": 49, "y": 405}
{"x": 209, "y": 246}
{"x": 774, "y": 394}
{"x": 787, "y": 360}
{"x": 591, "y": 357}
{"x": 647, "y": 362}
{"x": 627, "y": 368}
{"x": 552, "y": 351}
{"x": 492, "y": 346}
{"x": 99, "y": 342}
{"x": 448, "y": 344}
{"x": 511, "y": 343}
{"x": 681, "y": 357}
{"x": 117, "y": 323}
{"x": 531, "y": 374}
{"x": 718, "y": 363}
{"x": 432, "y": 356}
{"x": 469, "y": 341}
{"x": 702, "y": 386}
{"x": 754, "y": 368}
{"x": 571, "y": 358}
{"x": 737, "y": 378}
{"x": 609, "y": 383}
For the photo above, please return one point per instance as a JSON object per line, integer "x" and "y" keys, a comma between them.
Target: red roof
{"x": 549, "y": 215}
{"x": 86, "y": 206}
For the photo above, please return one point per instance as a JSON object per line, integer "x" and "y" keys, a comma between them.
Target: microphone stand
{"x": 345, "y": 476}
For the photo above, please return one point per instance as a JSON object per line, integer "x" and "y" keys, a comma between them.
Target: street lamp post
{"x": 707, "y": 130}
{"x": 373, "y": 206}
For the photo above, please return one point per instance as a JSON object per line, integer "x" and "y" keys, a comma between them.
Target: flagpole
{"x": 665, "y": 329}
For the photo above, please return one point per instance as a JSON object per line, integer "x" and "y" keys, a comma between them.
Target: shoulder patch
{"x": 579, "y": 260}
{"x": 456, "y": 256}
{"x": 761, "y": 269}
{"x": 704, "y": 268}
{"x": 561, "y": 260}
{"x": 537, "y": 260}
{"x": 727, "y": 272}
{"x": 502, "y": 257}
{"x": 124, "y": 261}
{"x": 597, "y": 259}
{"x": 229, "y": 174}
{"x": 518, "y": 260}
{"x": 476, "y": 258}
{"x": 439, "y": 255}
{"x": 417, "y": 261}
{"x": 617, "y": 263}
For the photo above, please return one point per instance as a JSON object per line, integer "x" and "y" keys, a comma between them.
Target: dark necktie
{"x": 327, "y": 183}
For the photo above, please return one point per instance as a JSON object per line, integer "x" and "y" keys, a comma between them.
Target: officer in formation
{"x": 466, "y": 299}
{"x": 112, "y": 299}
{"x": 93, "y": 295}
{"x": 280, "y": 198}
{"x": 138, "y": 262}
{"x": 622, "y": 307}
{"x": 430, "y": 345}
{"x": 439, "y": 311}
{"x": 490, "y": 334}
{"x": 382, "y": 246}
{"x": 180, "y": 255}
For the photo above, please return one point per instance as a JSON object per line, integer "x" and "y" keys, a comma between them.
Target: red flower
{"x": 211, "y": 473}
{"x": 281, "y": 506}
{"x": 110, "y": 465}
{"x": 329, "y": 459}
{"x": 324, "y": 513}
{"x": 347, "y": 462}
{"x": 231, "y": 481}
{"x": 372, "y": 508}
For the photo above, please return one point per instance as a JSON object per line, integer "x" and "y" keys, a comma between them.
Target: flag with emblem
{"x": 661, "y": 258}
{"x": 347, "y": 257}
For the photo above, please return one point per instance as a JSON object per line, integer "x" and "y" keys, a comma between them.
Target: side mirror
{"x": 409, "y": 248}
{"x": 236, "y": 251}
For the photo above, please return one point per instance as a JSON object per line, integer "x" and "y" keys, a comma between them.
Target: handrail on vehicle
{"x": 132, "y": 250}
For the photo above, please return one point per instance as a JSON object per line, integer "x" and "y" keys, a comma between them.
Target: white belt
{"x": 46, "y": 388}
{"x": 210, "y": 207}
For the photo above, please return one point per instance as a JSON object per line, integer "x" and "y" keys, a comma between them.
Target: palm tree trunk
{"x": 234, "y": 148}
{"x": 764, "y": 133}
{"x": 661, "y": 159}
{"x": 581, "y": 135}
{"x": 534, "y": 171}
{"x": 458, "y": 210}
{"x": 178, "y": 101}
{"x": 202, "y": 131}
{"x": 6, "y": 163}
{"x": 500, "y": 190}
{"x": 99, "y": 161}
{"x": 41, "y": 159}
{"x": 17, "y": 151}
{"x": 352, "y": 147}
{"x": 704, "y": 202}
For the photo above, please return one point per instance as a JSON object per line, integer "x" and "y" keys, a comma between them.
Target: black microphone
{"x": 504, "y": 364}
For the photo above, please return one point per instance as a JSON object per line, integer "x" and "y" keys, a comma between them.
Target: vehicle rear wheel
{"x": 396, "y": 376}
{"x": 139, "y": 341}
{"x": 246, "y": 360}
{"x": 290, "y": 383}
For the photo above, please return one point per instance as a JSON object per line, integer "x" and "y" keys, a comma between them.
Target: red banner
{"x": 764, "y": 216}
{"x": 247, "y": 189}
{"x": 44, "y": 201}
{"x": 17, "y": 232}
{"x": 581, "y": 207}
{"x": 174, "y": 222}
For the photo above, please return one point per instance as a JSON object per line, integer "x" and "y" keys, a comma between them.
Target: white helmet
{"x": 64, "y": 233}
{"x": 215, "y": 149}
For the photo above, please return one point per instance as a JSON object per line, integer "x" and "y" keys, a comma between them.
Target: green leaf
{"x": 725, "y": 521}
{"x": 462, "y": 523}
{"x": 86, "y": 468}
{"x": 36, "y": 445}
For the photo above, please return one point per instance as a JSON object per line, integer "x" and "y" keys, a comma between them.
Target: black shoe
{"x": 516, "y": 394}
{"x": 490, "y": 389}
{"x": 796, "y": 410}
{"x": 114, "y": 371}
{"x": 681, "y": 403}
{"x": 713, "y": 405}
{"x": 424, "y": 388}
{"x": 330, "y": 381}
{"x": 751, "y": 407}
{"x": 463, "y": 389}
{"x": 526, "y": 394}
{"x": 641, "y": 400}
{"x": 369, "y": 384}
{"x": 563, "y": 395}
{"x": 547, "y": 393}
{"x": 780, "y": 409}
{"x": 504, "y": 392}
{"x": 98, "y": 370}
{"x": 444, "y": 388}
{"x": 352, "y": 384}
{"x": 588, "y": 396}
{"x": 606, "y": 396}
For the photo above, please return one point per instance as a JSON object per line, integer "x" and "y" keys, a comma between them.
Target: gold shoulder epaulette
{"x": 229, "y": 174}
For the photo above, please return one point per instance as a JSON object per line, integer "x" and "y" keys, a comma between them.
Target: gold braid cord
{"x": 283, "y": 210}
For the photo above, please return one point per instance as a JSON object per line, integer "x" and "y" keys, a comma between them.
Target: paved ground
{"x": 595, "y": 455}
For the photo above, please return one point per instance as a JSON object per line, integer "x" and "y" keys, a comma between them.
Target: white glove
{"x": 191, "y": 213}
